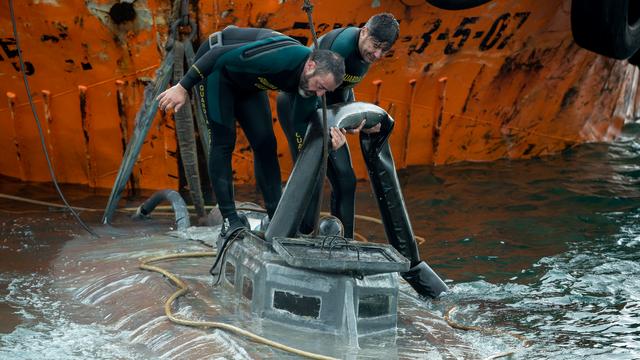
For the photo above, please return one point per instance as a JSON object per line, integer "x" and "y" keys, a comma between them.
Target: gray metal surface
{"x": 331, "y": 303}
{"x": 337, "y": 255}
{"x": 350, "y": 115}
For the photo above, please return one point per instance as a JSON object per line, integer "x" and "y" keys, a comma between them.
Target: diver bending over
{"x": 360, "y": 47}
{"x": 233, "y": 70}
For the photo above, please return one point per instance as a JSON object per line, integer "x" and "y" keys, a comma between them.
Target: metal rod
{"x": 308, "y": 8}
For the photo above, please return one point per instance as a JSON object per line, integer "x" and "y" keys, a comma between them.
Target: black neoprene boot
{"x": 425, "y": 281}
{"x": 231, "y": 225}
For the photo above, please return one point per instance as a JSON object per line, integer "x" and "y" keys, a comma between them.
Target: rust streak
{"x": 11, "y": 100}
{"x": 472, "y": 88}
{"x": 85, "y": 131}
{"x": 438, "y": 109}
{"x": 122, "y": 114}
{"x": 46, "y": 102}
{"x": 407, "y": 129}
{"x": 391, "y": 109}
{"x": 568, "y": 97}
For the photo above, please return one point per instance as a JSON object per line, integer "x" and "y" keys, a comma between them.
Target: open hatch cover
{"x": 336, "y": 254}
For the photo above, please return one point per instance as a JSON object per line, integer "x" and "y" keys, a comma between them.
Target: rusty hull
{"x": 503, "y": 80}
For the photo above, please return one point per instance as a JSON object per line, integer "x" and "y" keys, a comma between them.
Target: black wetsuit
{"x": 231, "y": 80}
{"x": 340, "y": 172}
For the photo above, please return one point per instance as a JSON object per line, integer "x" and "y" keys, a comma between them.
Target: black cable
{"x": 35, "y": 115}
{"x": 222, "y": 254}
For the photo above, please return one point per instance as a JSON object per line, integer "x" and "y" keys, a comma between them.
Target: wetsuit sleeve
{"x": 204, "y": 66}
{"x": 228, "y": 39}
{"x": 265, "y": 56}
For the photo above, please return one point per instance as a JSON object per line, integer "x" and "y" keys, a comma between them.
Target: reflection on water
{"x": 547, "y": 248}
{"x": 47, "y": 332}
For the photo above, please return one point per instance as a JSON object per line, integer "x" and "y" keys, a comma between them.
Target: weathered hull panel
{"x": 502, "y": 80}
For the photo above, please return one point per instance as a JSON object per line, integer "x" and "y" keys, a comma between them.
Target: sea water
{"x": 547, "y": 249}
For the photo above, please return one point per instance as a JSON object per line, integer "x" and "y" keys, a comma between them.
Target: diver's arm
{"x": 176, "y": 96}
{"x": 210, "y": 61}
{"x": 203, "y": 66}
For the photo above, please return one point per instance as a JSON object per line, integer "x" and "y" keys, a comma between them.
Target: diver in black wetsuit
{"x": 232, "y": 71}
{"x": 360, "y": 47}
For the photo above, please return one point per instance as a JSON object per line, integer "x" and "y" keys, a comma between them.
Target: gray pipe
{"x": 177, "y": 204}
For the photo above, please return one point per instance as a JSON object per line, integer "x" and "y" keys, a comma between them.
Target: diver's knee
{"x": 266, "y": 146}
{"x": 346, "y": 181}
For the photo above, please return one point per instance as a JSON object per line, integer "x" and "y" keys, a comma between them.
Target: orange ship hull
{"x": 501, "y": 80}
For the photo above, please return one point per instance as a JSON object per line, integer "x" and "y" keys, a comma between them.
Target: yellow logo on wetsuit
{"x": 352, "y": 78}
{"x": 265, "y": 84}
{"x": 299, "y": 141}
{"x": 203, "y": 107}
{"x": 203, "y": 104}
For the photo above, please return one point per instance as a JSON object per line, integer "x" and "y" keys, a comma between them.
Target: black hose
{"x": 177, "y": 204}
{"x": 40, "y": 132}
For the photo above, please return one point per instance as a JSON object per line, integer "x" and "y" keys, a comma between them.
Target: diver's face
{"x": 370, "y": 48}
{"x": 315, "y": 84}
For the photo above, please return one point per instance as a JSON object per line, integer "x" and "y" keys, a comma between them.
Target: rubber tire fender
{"x": 607, "y": 27}
{"x": 456, "y": 4}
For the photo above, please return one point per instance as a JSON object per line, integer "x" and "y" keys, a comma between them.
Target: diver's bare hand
{"x": 337, "y": 138}
{"x": 172, "y": 98}
{"x": 373, "y": 129}
{"x": 357, "y": 130}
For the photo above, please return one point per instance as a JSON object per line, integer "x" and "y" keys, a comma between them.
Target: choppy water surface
{"x": 545, "y": 248}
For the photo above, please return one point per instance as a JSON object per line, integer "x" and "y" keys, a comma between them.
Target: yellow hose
{"x": 183, "y": 289}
